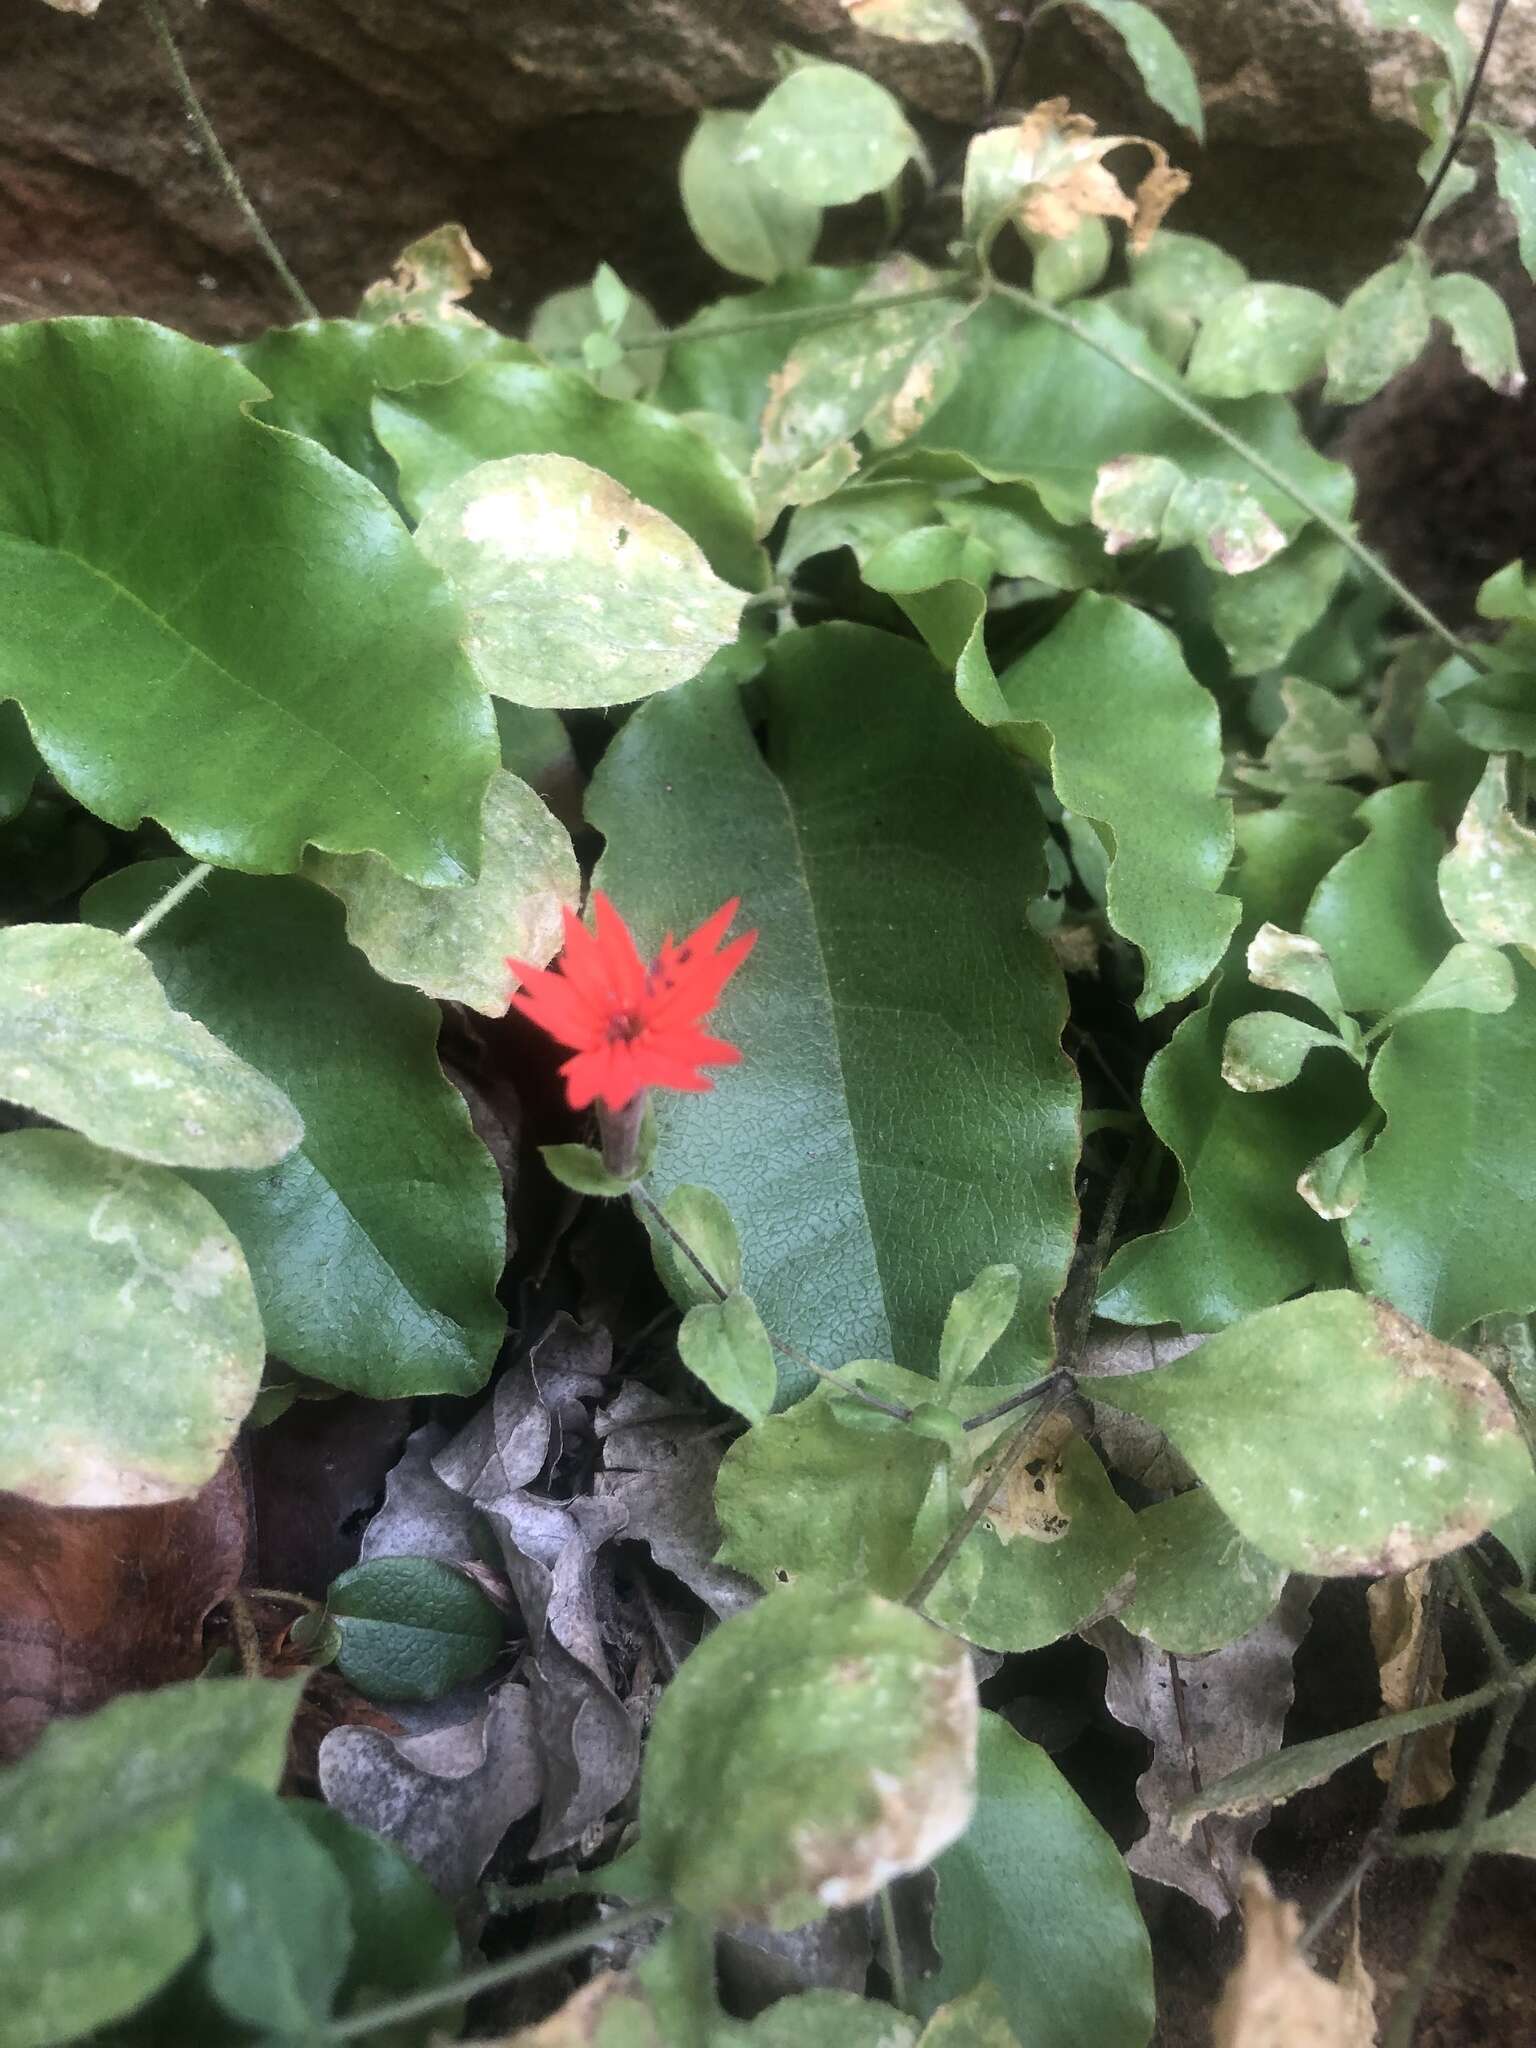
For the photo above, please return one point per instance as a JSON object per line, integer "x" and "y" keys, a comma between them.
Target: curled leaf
{"x": 431, "y": 277}
{"x": 1047, "y": 175}
{"x": 1148, "y": 498}
{"x": 1405, "y": 1637}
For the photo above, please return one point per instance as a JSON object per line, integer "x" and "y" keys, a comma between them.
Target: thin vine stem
{"x": 526, "y": 1964}
{"x": 229, "y": 177}
{"x": 1193, "y": 410}
{"x": 1463, "y": 121}
{"x": 796, "y": 319}
{"x": 891, "y": 1956}
{"x": 162, "y": 906}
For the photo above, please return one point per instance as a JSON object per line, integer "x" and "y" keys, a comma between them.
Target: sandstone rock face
{"x": 552, "y": 128}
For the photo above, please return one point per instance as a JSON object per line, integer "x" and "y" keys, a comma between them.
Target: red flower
{"x": 632, "y": 1027}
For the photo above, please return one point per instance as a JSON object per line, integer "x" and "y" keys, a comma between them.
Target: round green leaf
{"x": 1382, "y": 327}
{"x": 1337, "y": 1436}
{"x": 577, "y": 594}
{"x": 133, "y": 1345}
{"x": 376, "y": 1247}
{"x": 88, "y": 1038}
{"x": 1035, "y": 1897}
{"x": 98, "y": 1907}
{"x": 1260, "y": 337}
{"x": 724, "y": 1344}
{"x": 238, "y": 643}
{"x": 564, "y": 325}
{"x": 454, "y": 943}
{"x": 1198, "y": 1584}
{"x": 740, "y": 219}
{"x": 839, "y": 1734}
{"x": 412, "y": 1628}
{"x": 827, "y": 135}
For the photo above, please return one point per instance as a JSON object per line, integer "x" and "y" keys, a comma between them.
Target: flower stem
{"x": 162, "y": 906}
{"x": 1191, "y": 408}
{"x": 619, "y": 1131}
{"x": 229, "y": 177}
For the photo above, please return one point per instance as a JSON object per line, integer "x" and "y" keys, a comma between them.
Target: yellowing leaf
{"x": 429, "y": 279}
{"x": 1047, "y": 175}
{"x": 1274, "y": 1999}
{"x": 1405, "y": 1639}
{"x": 1488, "y": 879}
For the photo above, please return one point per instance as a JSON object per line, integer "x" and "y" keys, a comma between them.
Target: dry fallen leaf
{"x": 99, "y": 1601}
{"x": 1403, "y": 1631}
{"x": 429, "y": 279}
{"x": 1047, "y": 174}
{"x": 1274, "y": 1999}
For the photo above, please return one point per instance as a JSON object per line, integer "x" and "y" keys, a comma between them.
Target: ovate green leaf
{"x": 1146, "y": 498}
{"x": 747, "y": 224}
{"x": 97, "y": 1897}
{"x": 1135, "y": 746}
{"x": 375, "y": 1247}
{"x": 133, "y": 1345}
{"x": 1481, "y": 328}
{"x": 563, "y": 328}
{"x": 1323, "y": 738}
{"x": 1165, "y": 70}
{"x": 1337, "y": 1436}
{"x": 838, "y": 1731}
{"x": 1382, "y": 327}
{"x": 577, "y": 594}
{"x": 1514, "y": 168}
{"x": 1260, "y": 337}
{"x": 1199, "y": 1586}
{"x": 1470, "y": 977}
{"x": 724, "y": 1344}
{"x": 239, "y": 643}
{"x": 1035, "y": 1898}
{"x": 88, "y": 1038}
{"x": 977, "y": 1318}
{"x": 705, "y": 1225}
{"x": 412, "y": 1628}
{"x": 454, "y": 943}
{"x": 869, "y": 1170}
{"x": 1488, "y": 879}
{"x": 1377, "y": 910}
{"x": 827, "y": 135}
{"x": 1266, "y": 1049}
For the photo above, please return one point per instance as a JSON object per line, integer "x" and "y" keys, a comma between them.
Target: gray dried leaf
{"x": 660, "y": 1465}
{"x": 447, "y": 1790}
{"x": 759, "y": 1966}
{"x": 1235, "y": 1704}
{"x": 505, "y": 1445}
{"x": 588, "y": 1746}
{"x": 1131, "y": 1444}
{"x": 421, "y": 1517}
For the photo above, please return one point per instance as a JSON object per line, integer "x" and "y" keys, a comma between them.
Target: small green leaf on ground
{"x": 837, "y": 1730}
{"x": 133, "y": 1344}
{"x": 88, "y": 1038}
{"x": 1267, "y": 1049}
{"x": 577, "y": 594}
{"x": 412, "y": 1628}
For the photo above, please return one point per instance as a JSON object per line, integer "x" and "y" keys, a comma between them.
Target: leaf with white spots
{"x": 133, "y": 1345}
{"x": 838, "y": 1731}
{"x": 1336, "y": 1436}
{"x": 1488, "y": 879}
{"x": 88, "y": 1039}
{"x": 1322, "y": 738}
{"x": 454, "y": 943}
{"x": 827, "y": 135}
{"x": 577, "y": 594}
{"x": 1295, "y": 965}
{"x": 1261, "y": 337}
{"x": 1382, "y": 327}
{"x": 1148, "y": 499}
{"x": 1481, "y": 329}
{"x": 1267, "y": 1049}
{"x": 745, "y": 223}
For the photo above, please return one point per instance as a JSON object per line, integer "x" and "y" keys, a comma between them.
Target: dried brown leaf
{"x": 661, "y": 1466}
{"x": 1403, "y": 1632}
{"x": 1274, "y": 1999}
{"x": 428, "y": 281}
{"x": 1047, "y": 174}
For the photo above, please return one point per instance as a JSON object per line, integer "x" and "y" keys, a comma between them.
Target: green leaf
{"x": 1336, "y": 1436}
{"x": 1260, "y": 337}
{"x": 1295, "y": 965}
{"x": 1148, "y": 498}
{"x": 926, "y": 21}
{"x": 739, "y": 218}
{"x": 403, "y": 1936}
{"x": 1036, "y": 1898}
{"x": 728, "y": 373}
{"x": 133, "y": 1345}
{"x": 1323, "y": 738}
{"x": 823, "y": 2019}
{"x": 97, "y": 1905}
{"x": 88, "y": 1039}
{"x": 1447, "y": 1228}
{"x": 1199, "y": 1586}
{"x": 1435, "y": 19}
{"x": 1260, "y": 618}
{"x": 1488, "y": 879}
{"x": 1481, "y": 328}
{"x": 1023, "y": 538}
{"x": 724, "y": 1344}
{"x": 412, "y": 1628}
{"x": 855, "y": 1764}
{"x": 1470, "y": 977}
{"x": 580, "y": 1168}
{"x": 454, "y": 943}
{"x": 276, "y": 1908}
{"x": 977, "y": 2019}
{"x": 239, "y": 645}
{"x": 870, "y": 1173}
{"x": 1165, "y": 70}
{"x": 829, "y": 1493}
{"x": 977, "y": 1318}
{"x": 438, "y": 433}
{"x": 1035, "y": 405}
{"x": 577, "y": 594}
{"x": 564, "y": 324}
{"x": 1066, "y": 266}
{"x": 375, "y": 1247}
{"x": 1514, "y": 170}
{"x": 703, "y": 1221}
{"x": 1267, "y": 1049}
{"x": 1377, "y": 911}
{"x": 1239, "y": 1237}
{"x": 827, "y": 135}
{"x": 1135, "y": 746}
{"x": 1382, "y": 327}
{"x": 19, "y": 762}
{"x": 1175, "y": 281}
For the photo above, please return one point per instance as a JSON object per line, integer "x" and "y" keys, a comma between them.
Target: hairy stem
{"x": 229, "y": 177}
{"x": 162, "y": 906}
